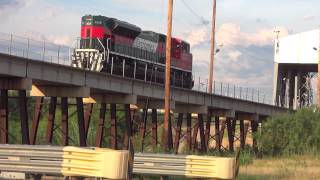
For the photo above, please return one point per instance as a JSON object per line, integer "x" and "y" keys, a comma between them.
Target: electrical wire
{"x": 202, "y": 20}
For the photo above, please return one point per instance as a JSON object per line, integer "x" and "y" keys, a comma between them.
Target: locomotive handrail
{"x": 104, "y": 49}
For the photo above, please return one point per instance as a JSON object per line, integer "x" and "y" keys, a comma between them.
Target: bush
{"x": 288, "y": 134}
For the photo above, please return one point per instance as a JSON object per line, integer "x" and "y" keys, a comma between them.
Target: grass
{"x": 295, "y": 167}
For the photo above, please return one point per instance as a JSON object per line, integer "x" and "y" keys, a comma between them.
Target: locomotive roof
{"x": 116, "y": 26}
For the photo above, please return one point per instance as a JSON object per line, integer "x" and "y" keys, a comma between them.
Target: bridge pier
{"x": 51, "y": 119}
{"x": 207, "y": 131}
{"x": 101, "y": 125}
{"x": 64, "y": 121}
{"x": 36, "y": 119}
{"x": 178, "y": 133}
{"x": 4, "y": 114}
{"x": 114, "y": 125}
{"x": 143, "y": 128}
{"x": 128, "y": 122}
{"x": 154, "y": 133}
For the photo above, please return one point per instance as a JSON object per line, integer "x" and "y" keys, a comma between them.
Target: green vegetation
{"x": 291, "y": 134}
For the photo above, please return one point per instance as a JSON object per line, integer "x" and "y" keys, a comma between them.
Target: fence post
{"x": 247, "y": 94}
{"x": 258, "y": 95}
{"x": 252, "y": 95}
{"x": 221, "y": 89}
{"x": 58, "y": 54}
{"x": 240, "y": 92}
{"x": 11, "y": 41}
{"x": 44, "y": 50}
{"x": 234, "y": 91}
{"x": 214, "y": 87}
{"x": 28, "y": 47}
{"x": 199, "y": 84}
{"x": 228, "y": 90}
{"x": 207, "y": 86}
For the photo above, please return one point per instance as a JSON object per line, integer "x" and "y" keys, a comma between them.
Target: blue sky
{"x": 244, "y": 27}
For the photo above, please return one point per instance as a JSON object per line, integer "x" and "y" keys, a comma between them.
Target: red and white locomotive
{"x": 117, "y": 47}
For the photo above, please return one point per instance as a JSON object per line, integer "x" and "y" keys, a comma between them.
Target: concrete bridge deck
{"x": 121, "y": 90}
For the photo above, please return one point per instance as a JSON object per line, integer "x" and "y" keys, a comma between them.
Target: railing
{"x": 34, "y": 49}
{"x": 50, "y": 52}
{"x": 251, "y": 94}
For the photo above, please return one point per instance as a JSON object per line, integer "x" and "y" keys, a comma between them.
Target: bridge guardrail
{"x": 67, "y": 161}
{"x": 185, "y": 165}
{"x": 53, "y": 53}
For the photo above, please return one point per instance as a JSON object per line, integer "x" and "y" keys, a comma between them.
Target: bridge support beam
{"x": 254, "y": 128}
{"x": 189, "y": 120}
{"x": 12, "y": 83}
{"x": 194, "y": 137}
{"x": 64, "y": 121}
{"x": 207, "y": 131}
{"x": 81, "y": 123}
{"x": 128, "y": 132}
{"x": 178, "y": 133}
{"x": 24, "y": 116}
{"x": 154, "y": 104}
{"x": 143, "y": 128}
{"x": 202, "y": 137}
{"x": 154, "y": 132}
{"x": 100, "y": 132}
{"x": 111, "y": 99}
{"x": 242, "y": 134}
{"x": 36, "y": 120}
{"x": 231, "y": 124}
{"x": 59, "y": 91}
{"x": 87, "y": 117}
{"x": 189, "y": 108}
{"x": 113, "y": 122}
{"x": 51, "y": 119}
{"x": 217, "y": 133}
{"x": 4, "y": 114}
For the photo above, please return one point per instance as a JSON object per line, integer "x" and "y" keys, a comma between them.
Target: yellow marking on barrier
{"x": 96, "y": 162}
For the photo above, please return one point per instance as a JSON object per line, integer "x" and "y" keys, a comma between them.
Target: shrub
{"x": 288, "y": 134}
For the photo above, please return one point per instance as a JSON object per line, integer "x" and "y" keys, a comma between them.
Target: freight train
{"x": 117, "y": 47}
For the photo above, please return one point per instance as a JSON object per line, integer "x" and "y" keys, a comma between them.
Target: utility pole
{"x": 213, "y": 33}
{"x": 318, "y": 79}
{"x": 166, "y": 129}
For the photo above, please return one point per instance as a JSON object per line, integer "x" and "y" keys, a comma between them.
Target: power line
{"x": 203, "y": 21}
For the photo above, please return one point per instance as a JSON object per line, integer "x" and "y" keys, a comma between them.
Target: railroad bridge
{"x": 44, "y": 80}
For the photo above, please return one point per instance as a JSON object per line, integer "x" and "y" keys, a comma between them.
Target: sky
{"x": 245, "y": 28}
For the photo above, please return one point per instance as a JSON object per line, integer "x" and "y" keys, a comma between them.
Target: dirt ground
{"x": 295, "y": 168}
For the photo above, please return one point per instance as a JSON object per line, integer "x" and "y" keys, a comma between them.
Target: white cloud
{"x": 309, "y": 17}
{"x": 198, "y": 36}
{"x": 234, "y": 55}
{"x": 230, "y": 35}
{"x": 65, "y": 40}
{"x": 11, "y": 6}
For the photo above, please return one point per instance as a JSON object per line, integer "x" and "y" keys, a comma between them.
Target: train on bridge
{"x": 117, "y": 47}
